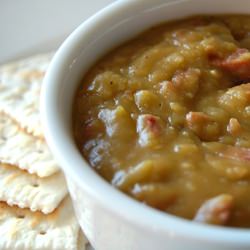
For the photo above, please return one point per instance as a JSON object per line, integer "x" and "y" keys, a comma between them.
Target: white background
{"x": 34, "y": 26}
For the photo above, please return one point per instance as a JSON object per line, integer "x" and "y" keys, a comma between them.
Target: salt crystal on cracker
{"x": 17, "y": 187}
{"x": 23, "y": 150}
{"x": 22, "y": 229}
{"x": 20, "y": 86}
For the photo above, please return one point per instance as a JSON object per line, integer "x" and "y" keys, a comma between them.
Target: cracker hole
{"x": 4, "y": 138}
{"x": 20, "y": 216}
{"x": 42, "y": 232}
{"x": 34, "y": 183}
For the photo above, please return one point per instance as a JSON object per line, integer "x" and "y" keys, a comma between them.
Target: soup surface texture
{"x": 165, "y": 118}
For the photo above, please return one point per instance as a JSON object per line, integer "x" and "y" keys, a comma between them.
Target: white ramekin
{"x": 110, "y": 219}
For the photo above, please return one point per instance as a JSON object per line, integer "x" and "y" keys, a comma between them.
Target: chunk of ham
{"x": 149, "y": 129}
{"x": 216, "y": 210}
{"x": 228, "y": 151}
{"x": 238, "y": 63}
{"x": 236, "y": 153}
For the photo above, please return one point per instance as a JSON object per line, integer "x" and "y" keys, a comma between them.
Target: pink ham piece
{"x": 149, "y": 128}
{"x": 238, "y": 63}
{"x": 216, "y": 210}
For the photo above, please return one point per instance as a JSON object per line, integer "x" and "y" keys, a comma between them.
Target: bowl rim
{"x": 59, "y": 142}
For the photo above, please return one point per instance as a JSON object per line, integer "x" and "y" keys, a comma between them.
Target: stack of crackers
{"x": 35, "y": 209}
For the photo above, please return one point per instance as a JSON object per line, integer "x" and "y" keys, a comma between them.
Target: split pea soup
{"x": 165, "y": 118}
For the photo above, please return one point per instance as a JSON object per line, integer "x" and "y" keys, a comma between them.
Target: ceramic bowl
{"x": 110, "y": 219}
